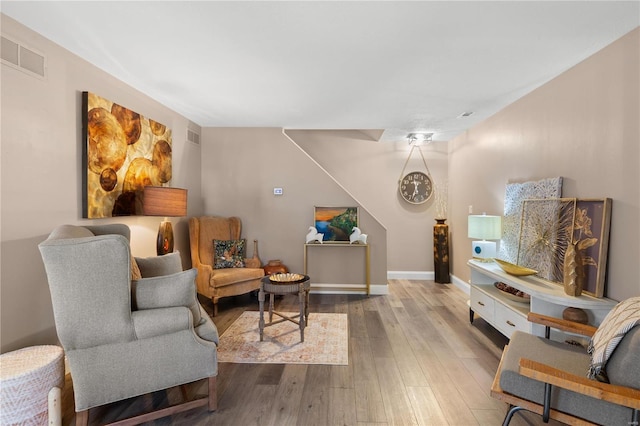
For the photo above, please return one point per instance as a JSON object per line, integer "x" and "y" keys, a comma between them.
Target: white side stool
{"x": 31, "y": 382}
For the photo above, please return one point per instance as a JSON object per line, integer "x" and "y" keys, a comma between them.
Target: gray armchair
{"x": 124, "y": 337}
{"x": 550, "y": 378}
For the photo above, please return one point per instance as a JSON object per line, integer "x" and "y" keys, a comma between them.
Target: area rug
{"x": 325, "y": 341}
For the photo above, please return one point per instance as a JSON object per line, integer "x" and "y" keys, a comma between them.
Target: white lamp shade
{"x": 485, "y": 227}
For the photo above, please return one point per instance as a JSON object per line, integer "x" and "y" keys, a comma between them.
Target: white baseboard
{"x": 378, "y": 289}
{"x": 462, "y": 285}
{"x": 410, "y": 275}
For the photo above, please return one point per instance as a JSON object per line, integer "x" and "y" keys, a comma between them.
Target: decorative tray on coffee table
{"x": 512, "y": 293}
{"x": 287, "y": 278}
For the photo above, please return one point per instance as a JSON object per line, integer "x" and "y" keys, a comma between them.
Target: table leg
{"x": 261, "y": 302}
{"x": 271, "y": 297}
{"x": 301, "y": 297}
{"x": 306, "y": 308}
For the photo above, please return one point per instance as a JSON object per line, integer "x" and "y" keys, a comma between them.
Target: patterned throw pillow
{"x": 228, "y": 253}
{"x": 135, "y": 271}
{"x": 622, "y": 318}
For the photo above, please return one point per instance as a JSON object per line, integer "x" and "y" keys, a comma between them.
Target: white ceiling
{"x": 398, "y": 66}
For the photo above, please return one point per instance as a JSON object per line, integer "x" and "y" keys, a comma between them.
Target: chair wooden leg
{"x": 213, "y": 394}
{"x": 82, "y": 418}
{"x": 215, "y": 307}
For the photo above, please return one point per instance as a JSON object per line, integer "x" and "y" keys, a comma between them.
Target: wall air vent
{"x": 22, "y": 58}
{"x": 193, "y": 137}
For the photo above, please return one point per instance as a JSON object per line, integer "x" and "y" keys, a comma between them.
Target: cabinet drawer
{"x": 508, "y": 320}
{"x": 482, "y": 304}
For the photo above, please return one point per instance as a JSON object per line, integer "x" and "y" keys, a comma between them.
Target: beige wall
{"x": 370, "y": 171}
{"x": 240, "y": 168}
{"x": 41, "y": 179}
{"x": 584, "y": 126}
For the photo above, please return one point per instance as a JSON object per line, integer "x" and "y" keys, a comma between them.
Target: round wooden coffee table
{"x": 301, "y": 287}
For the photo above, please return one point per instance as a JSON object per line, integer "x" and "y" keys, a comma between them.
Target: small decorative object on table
{"x": 357, "y": 236}
{"x": 313, "y": 236}
{"x": 255, "y": 252}
{"x": 275, "y": 267}
{"x": 573, "y": 268}
{"x": 512, "y": 293}
{"x": 286, "y": 278}
{"x": 575, "y": 315}
{"x": 516, "y": 270}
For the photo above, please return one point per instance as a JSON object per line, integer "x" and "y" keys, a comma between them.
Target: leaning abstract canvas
{"x": 514, "y": 197}
{"x": 123, "y": 152}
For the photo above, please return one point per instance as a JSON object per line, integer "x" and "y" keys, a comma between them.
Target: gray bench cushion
{"x": 575, "y": 360}
{"x": 623, "y": 367}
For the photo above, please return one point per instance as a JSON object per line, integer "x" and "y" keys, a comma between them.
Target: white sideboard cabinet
{"x": 547, "y": 298}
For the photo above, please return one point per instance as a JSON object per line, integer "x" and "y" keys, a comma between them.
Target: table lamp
{"x": 164, "y": 201}
{"x": 485, "y": 227}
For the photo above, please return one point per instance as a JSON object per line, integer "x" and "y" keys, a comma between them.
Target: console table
{"x": 547, "y": 298}
{"x": 367, "y": 266}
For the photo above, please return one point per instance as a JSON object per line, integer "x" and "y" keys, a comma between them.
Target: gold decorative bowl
{"x": 516, "y": 270}
{"x": 286, "y": 278}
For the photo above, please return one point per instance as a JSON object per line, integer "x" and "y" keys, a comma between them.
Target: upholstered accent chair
{"x": 550, "y": 378}
{"x": 126, "y": 337}
{"x": 216, "y": 282}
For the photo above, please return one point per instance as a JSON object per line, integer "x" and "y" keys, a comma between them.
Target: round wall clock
{"x": 416, "y": 187}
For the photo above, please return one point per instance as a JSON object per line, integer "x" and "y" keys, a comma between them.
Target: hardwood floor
{"x": 414, "y": 359}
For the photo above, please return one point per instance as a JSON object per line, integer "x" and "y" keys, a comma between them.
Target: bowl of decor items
{"x": 512, "y": 293}
{"x": 286, "y": 278}
{"x": 516, "y": 270}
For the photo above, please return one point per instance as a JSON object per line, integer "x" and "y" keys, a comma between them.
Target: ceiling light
{"x": 419, "y": 138}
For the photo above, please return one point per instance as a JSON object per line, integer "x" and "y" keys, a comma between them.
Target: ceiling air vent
{"x": 193, "y": 137}
{"x": 20, "y": 57}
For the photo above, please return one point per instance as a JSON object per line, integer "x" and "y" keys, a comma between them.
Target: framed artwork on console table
{"x": 545, "y": 232}
{"x": 336, "y": 223}
{"x": 591, "y": 236}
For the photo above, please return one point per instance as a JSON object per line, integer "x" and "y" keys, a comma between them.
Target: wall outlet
{"x": 470, "y": 209}
{"x": 277, "y": 191}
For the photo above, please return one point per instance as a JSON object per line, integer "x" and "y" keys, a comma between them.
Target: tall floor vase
{"x": 441, "y": 251}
